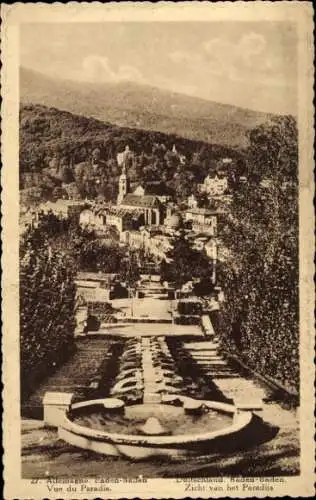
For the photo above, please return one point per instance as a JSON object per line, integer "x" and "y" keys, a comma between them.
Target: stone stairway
{"x": 234, "y": 386}
{"x": 76, "y": 374}
{"x": 206, "y": 354}
{"x": 240, "y": 390}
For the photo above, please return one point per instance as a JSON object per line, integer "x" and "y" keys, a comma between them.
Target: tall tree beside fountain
{"x": 129, "y": 274}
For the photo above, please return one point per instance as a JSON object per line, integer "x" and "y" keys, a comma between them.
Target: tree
{"x": 47, "y": 307}
{"x": 32, "y": 195}
{"x": 184, "y": 264}
{"x": 203, "y": 200}
{"x": 66, "y": 174}
{"x": 96, "y": 155}
{"x": 129, "y": 269}
{"x": 260, "y": 273}
{"x": 204, "y": 287}
{"x": 273, "y": 150}
{"x": 58, "y": 193}
{"x": 72, "y": 191}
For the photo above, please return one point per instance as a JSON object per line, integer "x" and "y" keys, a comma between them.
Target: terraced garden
{"x": 96, "y": 368}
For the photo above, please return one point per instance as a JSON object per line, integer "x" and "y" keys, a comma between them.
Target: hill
{"x": 142, "y": 106}
{"x": 60, "y": 148}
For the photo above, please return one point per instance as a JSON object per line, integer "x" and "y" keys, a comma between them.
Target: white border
{"x": 12, "y": 16}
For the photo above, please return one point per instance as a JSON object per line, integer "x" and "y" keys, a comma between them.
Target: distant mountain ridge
{"x": 140, "y": 106}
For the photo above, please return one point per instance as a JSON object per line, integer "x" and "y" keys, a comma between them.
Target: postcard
{"x": 157, "y": 230}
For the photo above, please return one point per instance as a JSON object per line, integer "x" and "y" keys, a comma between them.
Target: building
{"x": 192, "y": 201}
{"x": 100, "y": 218}
{"x": 149, "y": 205}
{"x": 207, "y": 229}
{"x": 173, "y": 221}
{"x": 63, "y": 209}
{"x": 97, "y": 287}
{"x": 123, "y": 219}
{"x": 122, "y": 157}
{"x": 123, "y": 186}
{"x": 139, "y": 191}
{"x": 28, "y": 218}
{"x": 155, "y": 188}
{"x": 201, "y": 216}
{"x": 92, "y": 217}
{"x": 173, "y": 218}
{"x": 136, "y": 239}
{"x": 214, "y": 185}
{"x": 199, "y": 242}
{"x": 203, "y": 220}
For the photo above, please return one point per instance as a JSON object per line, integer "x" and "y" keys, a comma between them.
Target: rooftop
{"x": 147, "y": 200}
{"x": 201, "y": 211}
{"x": 88, "y": 276}
{"x": 62, "y": 204}
{"x": 122, "y": 212}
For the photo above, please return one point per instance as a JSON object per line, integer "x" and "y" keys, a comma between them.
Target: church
{"x": 149, "y": 205}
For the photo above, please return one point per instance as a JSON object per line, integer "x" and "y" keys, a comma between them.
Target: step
{"x": 212, "y": 362}
{"x": 240, "y": 389}
{"x": 221, "y": 369}
{"x": 213, "y": 352}
{"x": 221, "y": 375}
{"x": 207, "y": 357}
{"x": 150, "y": 398}
{"x": 201, "y": 346}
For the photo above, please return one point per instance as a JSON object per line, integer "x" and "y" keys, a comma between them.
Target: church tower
{"x": 123, "y": 186}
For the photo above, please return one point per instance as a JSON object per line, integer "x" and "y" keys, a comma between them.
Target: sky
{"x": 247, "y": 64}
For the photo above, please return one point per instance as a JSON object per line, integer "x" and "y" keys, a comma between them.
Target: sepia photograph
{"x": 158, "y": 296}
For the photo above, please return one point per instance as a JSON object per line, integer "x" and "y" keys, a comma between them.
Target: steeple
{"x": 123, "y": 185}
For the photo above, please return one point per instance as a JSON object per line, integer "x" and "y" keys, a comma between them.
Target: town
{"x": 148, "y": 223}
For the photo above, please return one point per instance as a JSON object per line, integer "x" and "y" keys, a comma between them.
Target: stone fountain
{"x": 164, "y": 423}
{"x": 175, "y": 427}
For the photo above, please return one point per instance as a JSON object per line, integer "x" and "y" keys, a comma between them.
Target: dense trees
{"x": 260, "y": 276}
{"x": 204, "y": 287}
{"x": 95, "y": 255}
{"x": 129, "y": 269}
{"x": 273, "y": 150}
{"x": 47, "y": 305}
{"x": 81, "y": 152}
{"x": 184, "y": 264}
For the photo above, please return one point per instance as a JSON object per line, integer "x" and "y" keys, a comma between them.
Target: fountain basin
{"x": 185, "y": 435}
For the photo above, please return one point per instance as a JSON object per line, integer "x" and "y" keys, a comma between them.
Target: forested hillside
{"x": 59, "y": 149}
{"x": 143, "y": 106}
